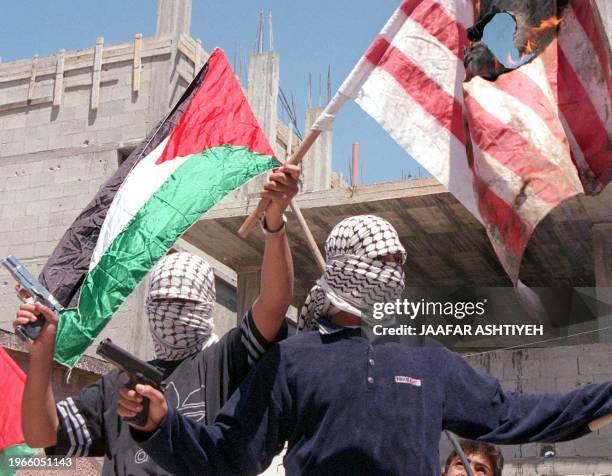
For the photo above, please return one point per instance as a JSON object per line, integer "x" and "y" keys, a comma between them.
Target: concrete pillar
{"x": 262, "y": 92}
{"x": 173, "y": 18}
{"x": 247, "y": 291}
{"x": 317, "y": 165}
{"x": 141, "y": 342}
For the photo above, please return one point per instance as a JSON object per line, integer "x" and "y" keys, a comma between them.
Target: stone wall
{"x": 54, "y": 158}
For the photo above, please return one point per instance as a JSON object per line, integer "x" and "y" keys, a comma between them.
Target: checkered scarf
{"x": 180, "y": 303}
{"x": 355, "y": 276}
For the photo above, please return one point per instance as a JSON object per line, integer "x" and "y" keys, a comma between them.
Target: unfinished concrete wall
{"x": 262, "y": 91}
{"x": 551, "y": 370}
{"x": 32, "y": 121}
{"x": 53, "y": 158}
{"x": 63, "y": 132}
{"x": 317, "y": 165}
{"x": 173, "y": 18}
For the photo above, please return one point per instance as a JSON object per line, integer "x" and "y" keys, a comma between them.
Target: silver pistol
{"x": 30, "y": 291}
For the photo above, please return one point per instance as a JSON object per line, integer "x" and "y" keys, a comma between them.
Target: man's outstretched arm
{"x": 478, "y": 408}
{"x": 38, "y": 415}
{"x": 249, "y": 431}
{"x": 73, "y": 427}
{"x": 276, "y": 286}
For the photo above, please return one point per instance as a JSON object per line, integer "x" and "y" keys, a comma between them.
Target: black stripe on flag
{"x": 66, "y": 268}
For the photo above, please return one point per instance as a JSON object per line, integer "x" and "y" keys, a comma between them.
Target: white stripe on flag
{"x": 525, "y": 122}
{"x": 434, "y": 58}
{"x": 419, "y": 133}
{"x": 582, "y": 57}
{"x": 508, "y": 186}
{"x": 461, "y": 10}
{"x": 138, "y": 187}
{"x": 536, "y": 72}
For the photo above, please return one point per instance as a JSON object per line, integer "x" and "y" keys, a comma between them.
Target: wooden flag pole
{"x": 349, "y": 87}
{"x": 312, "y": 244}
{"x": 295, "y": 159}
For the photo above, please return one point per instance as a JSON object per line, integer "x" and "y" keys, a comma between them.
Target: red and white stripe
{"x": 538, "y": 135}
{"x": 578, "y": 71}
{"x": 549, "y": 123}
{"x": 415, "y": 89}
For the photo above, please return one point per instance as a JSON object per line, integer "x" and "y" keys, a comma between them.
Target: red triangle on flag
{"x": 12, "y": 383}
{"x": 218, "y": 114}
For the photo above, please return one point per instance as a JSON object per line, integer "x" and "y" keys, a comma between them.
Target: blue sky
{"x": 309, "y": 36}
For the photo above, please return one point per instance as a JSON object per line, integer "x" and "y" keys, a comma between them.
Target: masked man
{"x": 200, "y": 370}
{"x": 346, "y": 406}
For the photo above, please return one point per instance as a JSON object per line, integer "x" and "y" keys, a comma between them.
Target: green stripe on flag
{"x": 190, "y": 191}
{"x": 9, "y": 458}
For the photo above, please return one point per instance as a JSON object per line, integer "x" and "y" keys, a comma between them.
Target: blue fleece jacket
{"x": 347, "y": 407}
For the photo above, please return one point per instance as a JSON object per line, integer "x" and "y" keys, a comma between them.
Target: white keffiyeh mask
{"x": 356, "y": 276}
{"x": 180, "y": 303}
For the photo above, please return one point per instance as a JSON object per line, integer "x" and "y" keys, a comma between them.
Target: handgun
{"x": 35, "y": 292}
{"x": 138, "y": 371}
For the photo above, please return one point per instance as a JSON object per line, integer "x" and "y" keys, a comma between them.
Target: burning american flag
{"x": 512, "y": 149}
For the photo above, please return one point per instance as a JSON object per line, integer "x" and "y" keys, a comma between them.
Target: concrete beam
{"x": 344, "y": 196}
{"x": 92, "y": 365}
{"x": 81, "y": 59}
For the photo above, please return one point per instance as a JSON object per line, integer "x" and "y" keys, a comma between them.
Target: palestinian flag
{"x": 12, "y": 383}
{"x": 209, "y": 145}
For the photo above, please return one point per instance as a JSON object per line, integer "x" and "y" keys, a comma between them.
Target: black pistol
{"x": 137, "y": 370}
{"x": 35, "y": 292}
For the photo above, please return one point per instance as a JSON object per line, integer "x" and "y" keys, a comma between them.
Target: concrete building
{"x": 66, "y": 122}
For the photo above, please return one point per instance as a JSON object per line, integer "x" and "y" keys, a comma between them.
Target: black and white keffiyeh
{"x": 356, "y": 276}
{"x": 180, "y": 303}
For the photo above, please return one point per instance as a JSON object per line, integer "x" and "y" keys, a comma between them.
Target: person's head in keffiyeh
{"x": 179, "y": 305}
{"x": 358, "y": 271}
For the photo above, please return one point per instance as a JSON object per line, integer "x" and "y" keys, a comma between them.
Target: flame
{"x": 549, "y": 23}
{"x": 533, "y": 33}
{"x": 530, "y": 46}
